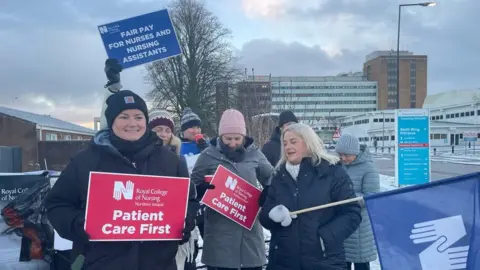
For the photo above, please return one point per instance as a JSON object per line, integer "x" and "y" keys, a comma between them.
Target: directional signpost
{"x": 412, "y": 151}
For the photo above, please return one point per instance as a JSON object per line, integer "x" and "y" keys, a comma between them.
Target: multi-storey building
{"x": 381, "y": 66}
{"x": 314, "y": 99}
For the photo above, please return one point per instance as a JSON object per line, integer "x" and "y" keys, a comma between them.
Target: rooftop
{"x": 45, "y": 120}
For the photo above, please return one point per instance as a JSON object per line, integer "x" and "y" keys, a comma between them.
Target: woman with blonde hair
{"x": 308, "y": 176}
{"x": 161, "y": 122}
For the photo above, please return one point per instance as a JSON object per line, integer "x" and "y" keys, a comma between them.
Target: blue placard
{"x": 141, "y": 39}
{"x": 413, "y": 147}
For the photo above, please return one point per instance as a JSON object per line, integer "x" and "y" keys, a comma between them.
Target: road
{"x": 441, "y": 167}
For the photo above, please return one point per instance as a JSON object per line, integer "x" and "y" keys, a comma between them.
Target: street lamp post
{"x": 383, "y": 131}
{"x": 425, "y": 4}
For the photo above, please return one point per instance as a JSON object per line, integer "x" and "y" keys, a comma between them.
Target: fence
{"x": 10, "y": 159}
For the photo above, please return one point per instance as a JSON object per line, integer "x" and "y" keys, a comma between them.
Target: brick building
{"x": 27, "y": 130}
{"x": 381, "y": 66}
{"x": 255, "y": 96}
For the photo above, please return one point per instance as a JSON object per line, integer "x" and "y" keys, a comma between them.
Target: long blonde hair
{"x": 314, "y": 145}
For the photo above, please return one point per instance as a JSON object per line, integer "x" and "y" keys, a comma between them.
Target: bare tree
{"x": 191, "y": 79}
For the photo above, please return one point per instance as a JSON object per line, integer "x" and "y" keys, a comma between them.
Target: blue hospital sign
{"x": 412, "y": 151}
{"x": 140, "y": 40}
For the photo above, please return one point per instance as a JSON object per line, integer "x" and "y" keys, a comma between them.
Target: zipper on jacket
{"x": 299, "y": 225}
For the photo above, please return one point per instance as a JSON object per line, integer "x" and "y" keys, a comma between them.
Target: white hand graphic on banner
{"x": 452, "y": 228}
{"x": 444, "y": 233}
{"x": 451, "y": 258}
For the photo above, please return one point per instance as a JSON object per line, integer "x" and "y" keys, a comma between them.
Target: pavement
{"x": 442, "y": 166}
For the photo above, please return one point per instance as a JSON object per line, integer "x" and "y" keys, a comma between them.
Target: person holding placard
{"x": 228, "y": 245}
{"x": 161, "y": 122}
{"x": 308, "y": 176}
{"x": 126, "y": 147}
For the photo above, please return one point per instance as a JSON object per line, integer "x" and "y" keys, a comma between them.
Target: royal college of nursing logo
{"x": 123, "y": 189}
{"x": 231, "y": 183}
{"x": 443, "y": 234}
{"x": 103, "y": 29}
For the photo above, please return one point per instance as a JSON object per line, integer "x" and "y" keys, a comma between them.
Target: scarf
{"x": 293, "y": 170}
{"x": 235, "y": 155}
{"x": 130, "y": 148}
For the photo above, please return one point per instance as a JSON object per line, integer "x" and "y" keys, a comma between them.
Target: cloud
{"x": 57, "y": 68}
{"x": 53, "y": 57}
{"x": 295, "y": 59}
{"x": 328, "y": 29}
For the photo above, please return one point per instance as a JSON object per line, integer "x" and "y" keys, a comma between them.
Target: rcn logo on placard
{"x": 103, "y": 29}
{"x": 231, "y": 183}
{"x": 120, "y": 189}
{"x": 442, "y": 253}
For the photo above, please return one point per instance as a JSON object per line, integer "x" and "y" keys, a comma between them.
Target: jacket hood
{"x": 102, "y": 140}
{"x": 364, "y": 156}
{"x": 276, "y": 135}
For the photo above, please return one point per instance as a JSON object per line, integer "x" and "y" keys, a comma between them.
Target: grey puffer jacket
{"x": 227, "y": 244}
{"x": 360, "y": 246}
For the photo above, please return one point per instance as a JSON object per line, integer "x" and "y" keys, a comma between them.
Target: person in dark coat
{"x": 308, "y": 176}
{"x": 161, "y": 122}
{"x": 126, "y": 147}
{"x": 271, "y": 149}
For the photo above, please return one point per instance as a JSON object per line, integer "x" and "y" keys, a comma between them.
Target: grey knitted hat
{"x": 348, "y": 144}
{"x": 189, "y": 119}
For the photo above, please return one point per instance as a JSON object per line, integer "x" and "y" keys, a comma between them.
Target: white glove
{"x": 281, "y": 214}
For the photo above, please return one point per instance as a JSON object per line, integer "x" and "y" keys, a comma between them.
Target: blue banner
{"x": 430, "y": 226}
{"x": 141, "y": 39}
{"x": 413, "y": 147}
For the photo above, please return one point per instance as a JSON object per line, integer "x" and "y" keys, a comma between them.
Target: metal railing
{"x": 205, "y": 267}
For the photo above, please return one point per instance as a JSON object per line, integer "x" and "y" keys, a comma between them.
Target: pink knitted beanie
{"x": 232, "y": 122}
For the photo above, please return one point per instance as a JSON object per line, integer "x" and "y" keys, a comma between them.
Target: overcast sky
{"x": 51, "y": 50}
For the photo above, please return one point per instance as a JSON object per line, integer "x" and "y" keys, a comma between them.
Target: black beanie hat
{"x": 121, "y": 101}
{"x": 286, "y": 117}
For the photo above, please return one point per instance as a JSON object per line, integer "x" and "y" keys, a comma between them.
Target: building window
{"x": 67, "y": 137}
{"x": 51, "y": 137}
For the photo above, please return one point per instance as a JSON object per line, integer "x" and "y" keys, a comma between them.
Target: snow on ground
{"x": 387, "y": 183}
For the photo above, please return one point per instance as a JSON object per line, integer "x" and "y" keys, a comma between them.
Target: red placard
{"x": 233, "y": 197}
{"x": 126, "y": 207}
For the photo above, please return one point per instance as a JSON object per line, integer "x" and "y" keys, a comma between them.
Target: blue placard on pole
{"x": 141, "y": 39}
{"x": 412, "y": 151}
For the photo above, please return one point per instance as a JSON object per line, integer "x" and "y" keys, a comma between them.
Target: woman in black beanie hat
{"x": 126, "y": 147}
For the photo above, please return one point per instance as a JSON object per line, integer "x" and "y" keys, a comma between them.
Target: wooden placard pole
{"x": 323, "y": 206}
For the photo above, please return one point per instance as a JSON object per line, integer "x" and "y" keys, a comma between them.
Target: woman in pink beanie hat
{"x": 226, "y": 244}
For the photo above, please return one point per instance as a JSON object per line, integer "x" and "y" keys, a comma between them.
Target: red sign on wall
{"x": 125, "y": 207}
{"x": 233, "y": 197}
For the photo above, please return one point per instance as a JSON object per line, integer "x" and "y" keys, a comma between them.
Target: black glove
{"x": 203, "y": 187}
{"x": 81, "y": 237}
{"x": 112, "y": 70}
{"x": 263, "y": 196}
{"x": 189, "y": 227}
{"x": 202, "y": 144}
